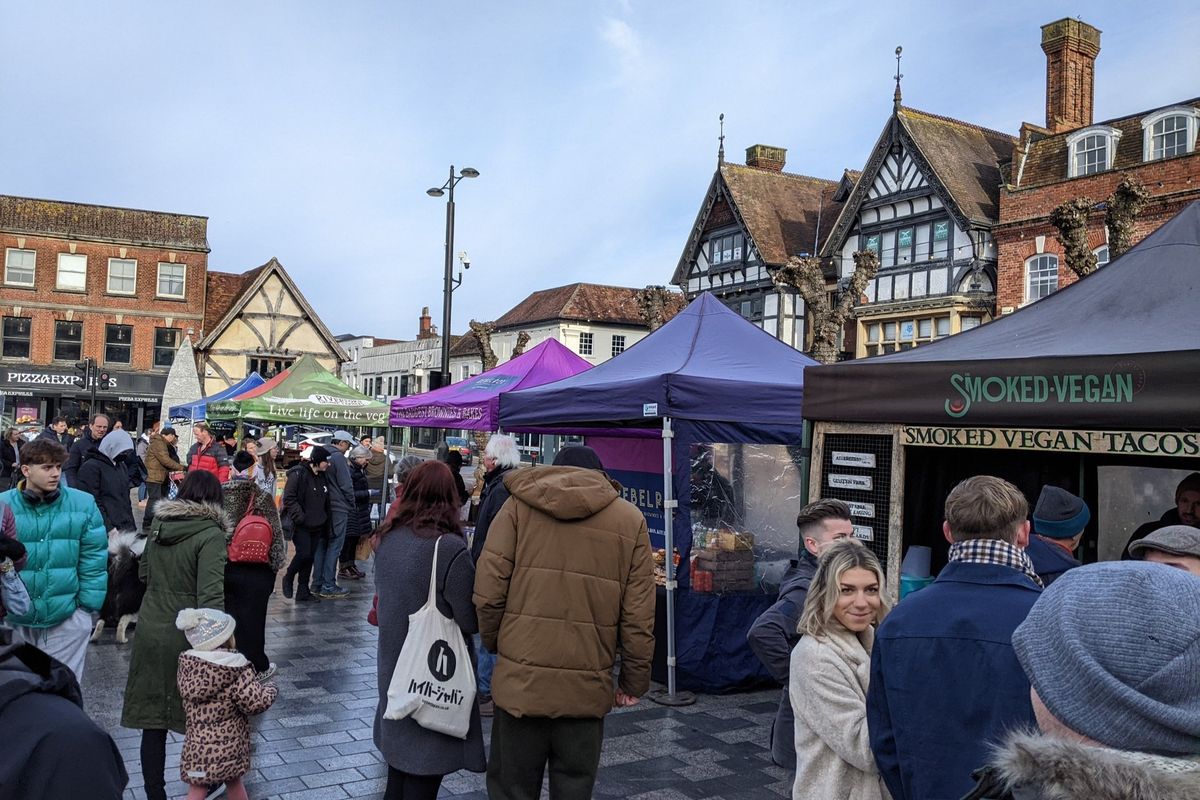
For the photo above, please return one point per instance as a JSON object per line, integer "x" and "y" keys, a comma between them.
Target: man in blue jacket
{"x": 1059, "y": 519}
{"x": 774, "y": 634}
{"x": 945, "y": 682}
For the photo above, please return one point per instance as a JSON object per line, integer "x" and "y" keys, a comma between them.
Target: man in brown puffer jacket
{"x": 564, "y": 584}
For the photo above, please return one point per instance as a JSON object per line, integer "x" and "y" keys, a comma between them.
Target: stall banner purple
{"x": 636, "y": 464}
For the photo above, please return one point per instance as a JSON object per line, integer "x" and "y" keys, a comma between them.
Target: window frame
{"x": 109, "y": 328}
{"x": 894, "y": 334}
{"x": 33, "y": 268}
{"x": 1192, "y": 118}
{"x": 1112, "y": 137}
{"x": 5, "y": 338}
{"x": 108, "y": 287}
{"x": 590, "y": 347}
{"x": 58, "y": 342}
{"x": 158, "y": 347}
{"x": 58, "y": 284}
{"x": 618, "y": 347}
{"x": 1107, "y": 255}
{"x": 1029, "y": 263}
{"x": 158, "y": 292}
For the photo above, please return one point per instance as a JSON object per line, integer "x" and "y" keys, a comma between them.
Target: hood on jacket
{"x": 220, "y": 668}
{"x": 24, "y": 669}
{"x": 799, "y": 574}
{"x": 189, "y": 518}
{"x": 565, "y": 493}
{"x": 1052, "y": 768}
{"x": 114, "y": 444}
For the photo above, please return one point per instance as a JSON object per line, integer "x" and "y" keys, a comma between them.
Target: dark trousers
{"x": 304, "y": 540}
{"x": 522, "y": 746}
{"x": 406, "y": 786}
{"x": 347, "y": 557}
{"x": 154, "y": 493}
{"x": 154, "y": 762}
{"x": 247, "y": 589}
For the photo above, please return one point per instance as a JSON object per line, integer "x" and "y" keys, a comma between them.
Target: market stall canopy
{"x": 707, "y": 365}
{"x": 474, "y": 404}
{"x": 1119, "y": 348}
{"x": 305, "y": 392}
{"x": 196, "y": 409}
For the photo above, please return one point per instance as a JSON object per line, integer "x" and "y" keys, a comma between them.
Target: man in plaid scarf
{"x": 945, "y": 682}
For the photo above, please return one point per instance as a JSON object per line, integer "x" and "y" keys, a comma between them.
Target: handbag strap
{"x": 432, "y": 601}
{"x": 250, "y": 505}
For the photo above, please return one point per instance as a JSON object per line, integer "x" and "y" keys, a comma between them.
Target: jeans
{"x": 142, "y": 491}
{"x": 522, "y": 746}
{"x": 154, "y": 493}
{"x": 325, "y": 558}
{"x": 487, "y": 663}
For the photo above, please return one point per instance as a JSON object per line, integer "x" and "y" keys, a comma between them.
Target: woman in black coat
{"x": 10, "y": 471}
{"x": 359, "y": 523}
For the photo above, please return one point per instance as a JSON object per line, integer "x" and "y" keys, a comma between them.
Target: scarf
{"x": 996, "y": 552}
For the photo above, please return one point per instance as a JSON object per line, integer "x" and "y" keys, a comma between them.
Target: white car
{"x": 300, "y": 442}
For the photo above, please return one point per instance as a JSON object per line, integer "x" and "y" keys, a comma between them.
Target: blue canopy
{"x": 196, "y": 409}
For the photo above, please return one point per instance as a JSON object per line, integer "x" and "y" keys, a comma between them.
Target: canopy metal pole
{"x": 387, "y": 471}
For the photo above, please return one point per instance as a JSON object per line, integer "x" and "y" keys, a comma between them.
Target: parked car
{"x": 300, "y": 441}
{"x": 463, "y": 446}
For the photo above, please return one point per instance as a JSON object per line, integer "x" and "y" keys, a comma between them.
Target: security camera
{"x": 465, "y": 259}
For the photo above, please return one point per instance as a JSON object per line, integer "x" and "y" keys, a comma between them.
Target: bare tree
{"x": 519, "y": 347}
{"x": 482, "y": 332}
{"x": 1071, "y": 220}
{"x": 652, "y": 303}
{"x": 804, "y": 275}
{"x": 1123, "y": 207}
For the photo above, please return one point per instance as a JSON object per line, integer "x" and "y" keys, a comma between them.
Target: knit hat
{"x": 242, "y": 461}
{"x": 1113, "y": 650}
{"x": 578, "y": 455}
{"x": 1059, "y": 514}
{"x": 1179, "y": 540}
{"x": 205, "y": 628}
{"x": 316, "y": 454}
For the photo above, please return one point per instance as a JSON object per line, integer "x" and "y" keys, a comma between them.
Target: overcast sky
{"x": 310, "y": 131}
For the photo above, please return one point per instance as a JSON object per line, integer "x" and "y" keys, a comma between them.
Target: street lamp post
{"x": 450, "y": 283}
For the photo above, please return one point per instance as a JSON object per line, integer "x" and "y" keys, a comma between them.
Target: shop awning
{"x": 196, "y": 409}
{"x": 304, "y": 393}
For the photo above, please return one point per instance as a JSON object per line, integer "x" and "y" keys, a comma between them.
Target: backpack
{"x": 251, "y": 542}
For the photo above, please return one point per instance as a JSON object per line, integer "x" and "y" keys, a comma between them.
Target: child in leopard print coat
{"x": 220, "y": 693}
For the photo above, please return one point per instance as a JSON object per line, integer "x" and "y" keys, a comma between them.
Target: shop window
{"x": 166, "y": 342}
{"x": 1041, "y": 276}
{"x": 618, "y": 345}
{"x": 72, "y": 272}
{"x": 269, "y": 367}
{"x": 585, "y": 344}
{"x": 904, "y": 334}
{"x": 1170, "y": 132}
{"x": 19, "y": 267}
{"x": 16, "y": 336}
{"x": 122, "y": 276}
{"x": 118, "y": 344}
{"x": 171, "y": 280}
{"x": 68, "y": 340}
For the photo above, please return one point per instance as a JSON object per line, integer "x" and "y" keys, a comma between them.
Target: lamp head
{"x": 469, "y": 172}
{"x": 434, "y": 192}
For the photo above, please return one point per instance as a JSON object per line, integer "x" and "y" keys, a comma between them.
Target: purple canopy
{"x": 474, "y": 404}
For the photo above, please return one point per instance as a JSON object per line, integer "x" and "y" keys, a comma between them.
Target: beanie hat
{"x": 242, "y": 461}
{"x": 1059, "y": 514}
{"x": 205, "y": 628}
{"x": 1178, "y": 540}
{"x": 578, "y": 455}
{"x": 1113, "y": 650}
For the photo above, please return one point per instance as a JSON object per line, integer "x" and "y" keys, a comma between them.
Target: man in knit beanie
{"x": 1058, "y": 522}
{"x": 1112, "y": 651}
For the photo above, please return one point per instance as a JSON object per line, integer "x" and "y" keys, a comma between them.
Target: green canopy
{"x": 304, "y": 393}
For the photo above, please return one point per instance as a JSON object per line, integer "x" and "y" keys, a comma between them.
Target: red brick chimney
{"x": 426, "y": 329}
{"x": 764, "y": 156}
{"x": 1071, "y": 47}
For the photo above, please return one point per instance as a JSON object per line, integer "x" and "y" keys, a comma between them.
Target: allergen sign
{"x": 841, "y": 459}
{"x": 1149, "y": 443}
{"x": 862, "y": 482}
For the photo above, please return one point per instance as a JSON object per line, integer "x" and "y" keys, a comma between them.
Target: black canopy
{"x": 1118, "y": 349}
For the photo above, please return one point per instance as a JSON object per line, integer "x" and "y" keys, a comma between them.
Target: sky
{"x": 309, "y": 131}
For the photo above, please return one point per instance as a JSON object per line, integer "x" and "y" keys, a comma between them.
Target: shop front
{"x": 40, "y": 393}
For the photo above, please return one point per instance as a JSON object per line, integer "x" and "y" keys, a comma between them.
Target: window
{"x": 910, "y": 244}
{"x": 1091, "y": 150}
{"x": 72, "y": 272}
{"x": 122, "y": 276}
{"x": 68, "y": 340}
{"x": 872, "y": 243}
{"x": 1041, "y": 276}
{"x": 618, "y": 345}
{"x": 904, "y": 334}
{"x": 1101, "y": 254}
{"x": 725, "y": 249}
{"x": 118, "y": 344}
{"x": 269, "y": 367}
{"x": 967, "y": 323}
{"x": 585, "y": 344}
{"x": 16, "y": 337}
{"x": 166, "y": 342}
{"x": 1170, "y": 132}
{"x": 18, "y": 267}
{"x": 171, "y": 278}
{"x": 466, "y": 371}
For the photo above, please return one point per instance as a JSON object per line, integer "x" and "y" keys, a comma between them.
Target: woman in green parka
{"x": 183, "y": 567}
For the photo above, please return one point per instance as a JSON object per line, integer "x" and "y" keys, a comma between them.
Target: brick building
{"x": 1071, "y": 156}
{"x": 119, "y": 285}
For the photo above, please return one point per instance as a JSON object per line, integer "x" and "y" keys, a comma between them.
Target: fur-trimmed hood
{"x": 1031, "y": 766}
{"x": 183, "y": 518}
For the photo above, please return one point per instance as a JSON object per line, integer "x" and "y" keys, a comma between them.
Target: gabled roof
{"x": 465, "y": 346}
{"x": 960, "y": 160}
{"x": 233, "y": 293}
{"x": 583, "y": 302}
{"x": 778, "y": 211}
{"x": 1045, "y": 159}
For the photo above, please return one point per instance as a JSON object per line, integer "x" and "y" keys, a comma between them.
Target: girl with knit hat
{"x": 220, "y": 692}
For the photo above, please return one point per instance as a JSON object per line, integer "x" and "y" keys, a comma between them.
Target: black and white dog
{"x": 125, "y": 588}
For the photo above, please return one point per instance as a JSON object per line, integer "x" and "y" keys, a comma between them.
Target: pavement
{"x": 315, "y": 742}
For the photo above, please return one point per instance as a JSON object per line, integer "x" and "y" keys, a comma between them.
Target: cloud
{"x": 627, "y": 46}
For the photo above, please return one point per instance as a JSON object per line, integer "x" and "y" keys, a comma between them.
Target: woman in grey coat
{"x": 417, "y": 758}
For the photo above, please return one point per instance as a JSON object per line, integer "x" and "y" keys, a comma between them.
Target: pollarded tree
{"x": 1071, "y": 220}
{"x": 519, "y": 347}
{"x": 1122, "y": 209}
{"x": 804, "y": 275}
{"x": 652, "y": 303}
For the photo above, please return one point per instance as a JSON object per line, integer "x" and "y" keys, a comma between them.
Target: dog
{"x": 125, "y": 587}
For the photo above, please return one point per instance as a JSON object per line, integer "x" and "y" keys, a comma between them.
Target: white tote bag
{"x": 434, "y": 681}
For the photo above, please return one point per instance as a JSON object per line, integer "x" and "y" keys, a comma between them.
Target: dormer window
{"x": 725, "y": 249}
{"x": 1170, "y": 132}
{"x": 1091, "y": 150}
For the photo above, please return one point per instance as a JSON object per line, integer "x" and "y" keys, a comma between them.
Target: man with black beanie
{"x": 306, "y": 508}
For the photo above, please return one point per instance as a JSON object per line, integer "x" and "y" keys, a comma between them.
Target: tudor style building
{"x": 1071, "y": 157}
{"x": 926, "y": 202}
{"x": 753, "y": 219}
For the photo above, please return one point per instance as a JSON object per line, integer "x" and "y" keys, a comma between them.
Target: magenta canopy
{"x": 474, "y": 404}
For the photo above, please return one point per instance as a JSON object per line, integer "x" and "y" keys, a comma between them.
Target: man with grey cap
{"x": 1185, "y": 512}
{"x": 1058, "y": 522}
{"x": 1175, "y": 545}
{"x": 1112, "y": 652}
{"x": 341, "y": 506}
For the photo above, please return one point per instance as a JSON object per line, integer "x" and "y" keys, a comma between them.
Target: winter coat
{"x": 52, "y": 748}
{"x": 828, "y": 692}
{"x": 565, "y": 584}
{"x": 1031, "y": 766}
{"x": 8, "y": 458}
{"x": 376, "y": 467}
{"x": 945, "y": 682}
{"x": 306, "y": 498}
{"x": 360, "y": 517}
{"x": 214, "y": 458}
{"x": 341, "y": 487}
{"x": 1169, "y": 517}
{"x": 160, "y": 460}
{"x": 84, "y": 443}
{"x": 8, "y": 527}
{"x": 237, "y": 500}
{"x": 183, "y": 567}
{"x": 106, "y": 479}
{"x": 491, "y": 500}
{"x": 220, "y": 693}
{"x": 402, "y": 564}
{"x": 66, "y": 561}
{"x": 65, "y": 439}
{"x": 1050, "y": 561}
{"x": 772, "y": 638}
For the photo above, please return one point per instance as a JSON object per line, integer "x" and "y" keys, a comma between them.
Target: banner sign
{"x": 644, "y": 490}
{"x": 1138, "y": 443}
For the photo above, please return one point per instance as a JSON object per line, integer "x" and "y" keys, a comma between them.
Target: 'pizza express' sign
{"x": 1065, "y": 441}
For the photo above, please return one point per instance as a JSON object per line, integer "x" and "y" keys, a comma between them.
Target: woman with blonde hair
{"x": 830, "y": 670}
